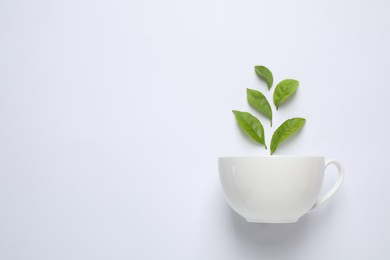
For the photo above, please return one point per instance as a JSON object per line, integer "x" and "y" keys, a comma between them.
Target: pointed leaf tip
{"x": 284, "y": 90}
{"x": 251, "y": 126}
{"x": 265, "y": 74}
{"x": 259, "y": 102}
{"x": 285, "y": 130}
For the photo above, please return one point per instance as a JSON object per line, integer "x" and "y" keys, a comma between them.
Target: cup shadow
{"x": 274, "y": 239}
{"x": 268, "y": 232}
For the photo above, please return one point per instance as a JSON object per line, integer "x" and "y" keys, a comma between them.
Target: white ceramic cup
{"x": 275, "y": 189}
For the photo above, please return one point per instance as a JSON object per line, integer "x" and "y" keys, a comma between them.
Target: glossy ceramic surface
{"x": 275, "y": 189}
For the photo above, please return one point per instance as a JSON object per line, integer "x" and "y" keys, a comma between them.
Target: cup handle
{"x": 335, "y": 187}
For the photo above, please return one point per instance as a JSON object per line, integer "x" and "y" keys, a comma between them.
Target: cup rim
{"x": 270, "y": 156}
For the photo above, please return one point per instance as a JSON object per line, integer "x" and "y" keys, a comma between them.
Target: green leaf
{"x": 251, "y": 126}
{"x": 259, "y": 102}
{"x": 284, "y": 90}
{"x": 265, "y": 74}
{"x": 285, "y": 130}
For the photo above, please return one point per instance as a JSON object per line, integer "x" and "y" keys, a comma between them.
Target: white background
{"x": 113, "y": 115}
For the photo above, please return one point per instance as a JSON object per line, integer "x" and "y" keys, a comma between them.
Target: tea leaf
{"x": 285, "y": 130}
{"x": 265, "y": 74}
{"x": 251, "y": 126}
{"x": 283, "y": 90}
{"x": 259, "y": 102}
